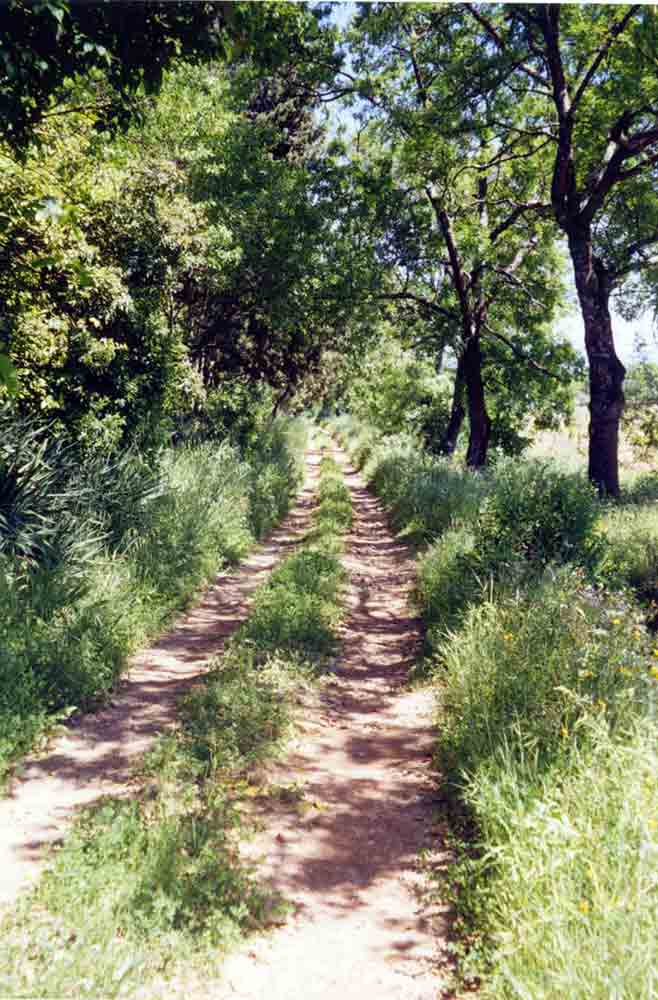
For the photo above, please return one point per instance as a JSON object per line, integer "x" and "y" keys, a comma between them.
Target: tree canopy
{"x": 183, "y": 220}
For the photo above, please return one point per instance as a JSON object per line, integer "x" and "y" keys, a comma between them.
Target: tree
{"x": 61, "y": 60}
{"x": 468, "y": 254}
{"x": 123, "y": 46}
{"x": 586, "y": 79}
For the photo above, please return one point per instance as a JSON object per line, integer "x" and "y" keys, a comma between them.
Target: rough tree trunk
{"x": 478, "y": 418}
{"x": 606, "y": 372}
{"x": 457, "y": 412}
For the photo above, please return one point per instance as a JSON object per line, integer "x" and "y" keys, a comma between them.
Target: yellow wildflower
{"x": 583, "y": 906}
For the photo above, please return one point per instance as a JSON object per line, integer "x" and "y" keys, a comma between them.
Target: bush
{"x": 535, "y": 511}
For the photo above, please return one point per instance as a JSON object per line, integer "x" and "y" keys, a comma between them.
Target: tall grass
{"x": 160, "y": 879}
{"x": 547, "y": 728}
{"x": 97, "y": 552}
{"x": 548, "y": 731}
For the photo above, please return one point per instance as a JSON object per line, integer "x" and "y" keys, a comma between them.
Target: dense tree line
{"x": 183, "y": 231}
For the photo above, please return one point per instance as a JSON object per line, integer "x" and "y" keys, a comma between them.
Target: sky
{"x": 625, "y": 334}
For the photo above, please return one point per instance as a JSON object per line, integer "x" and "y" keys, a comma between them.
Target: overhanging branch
{"x": 521, "y": 354}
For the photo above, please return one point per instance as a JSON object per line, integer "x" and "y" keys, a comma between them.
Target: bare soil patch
{"x": 342, "y": 845}
{"x": 94, "y": 754}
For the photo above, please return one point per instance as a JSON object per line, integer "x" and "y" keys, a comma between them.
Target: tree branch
{"x": 521, "y": 354}
{"x": 419, "y": 300}
{"x": 631, "y": 250}
{"x": 501, "y": 43}
{"x": 613, "y": 34}
{"x": 532, "y": 206}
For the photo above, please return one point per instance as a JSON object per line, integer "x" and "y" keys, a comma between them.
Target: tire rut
{"x": 95, "y": 753}
{"x": 346, "y": 857}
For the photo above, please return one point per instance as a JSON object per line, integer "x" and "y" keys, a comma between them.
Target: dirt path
{"x": 347, "y": 855}
{"x": 94, "y": 755}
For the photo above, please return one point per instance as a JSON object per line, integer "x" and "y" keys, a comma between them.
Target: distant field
{"x": 569, "y": 445}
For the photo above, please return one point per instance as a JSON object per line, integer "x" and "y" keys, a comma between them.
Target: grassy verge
{"x": 96, "y": 555}
{"x": 547, "y": 726}
{"x": 146, "y": 895}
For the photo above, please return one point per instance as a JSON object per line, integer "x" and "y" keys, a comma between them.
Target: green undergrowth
{"x": 146, "y": 895}
{"x": 546, "y": 680}
{"x": 97, "y": 552}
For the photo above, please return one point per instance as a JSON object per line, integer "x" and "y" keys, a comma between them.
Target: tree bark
{"x": 478, "y": 418}
{"x": 606, "y": 372}
{"x": 457, "y": 412}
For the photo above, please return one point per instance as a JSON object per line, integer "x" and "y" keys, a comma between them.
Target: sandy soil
{"x": 346, "y": 857}
{"x": 94, "y": 754}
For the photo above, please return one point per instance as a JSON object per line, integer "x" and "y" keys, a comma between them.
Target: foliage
{"x": 47, "y": 45}
{"x": 395, "y": 391}
{"x": 536, "y": 512}
{"x": 456, "y": 249}
{"x": 640, "y": 418}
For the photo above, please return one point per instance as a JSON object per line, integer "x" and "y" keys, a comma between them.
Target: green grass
{"x": 141, "y": 539}
{"x": 159, "y": 878}
{"x": 546, "y": 680}
{"x": 631, "y": 556}
{"x": 548, "y": 734}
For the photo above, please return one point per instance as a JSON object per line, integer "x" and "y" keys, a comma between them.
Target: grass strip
{"x": 145, "y": 895}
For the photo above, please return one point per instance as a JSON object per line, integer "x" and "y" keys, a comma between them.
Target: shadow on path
{"x": 346, "y": 856}
{"x": 94, "y": 754}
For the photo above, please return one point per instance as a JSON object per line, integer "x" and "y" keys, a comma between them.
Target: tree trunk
{"x": 457, "y": 412}
{"x": 606, "y": 372}
{"x": 478, "y": 418}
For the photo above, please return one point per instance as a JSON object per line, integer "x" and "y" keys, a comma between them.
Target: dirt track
{"x": 347, "y": 856}
{"x": 94, "y": 756}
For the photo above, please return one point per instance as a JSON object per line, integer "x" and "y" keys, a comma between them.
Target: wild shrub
{"x": 424, "y": 495}
{"x": 537, "y": 512}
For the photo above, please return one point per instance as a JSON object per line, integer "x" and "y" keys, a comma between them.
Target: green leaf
{"x": 7, "y": 375}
